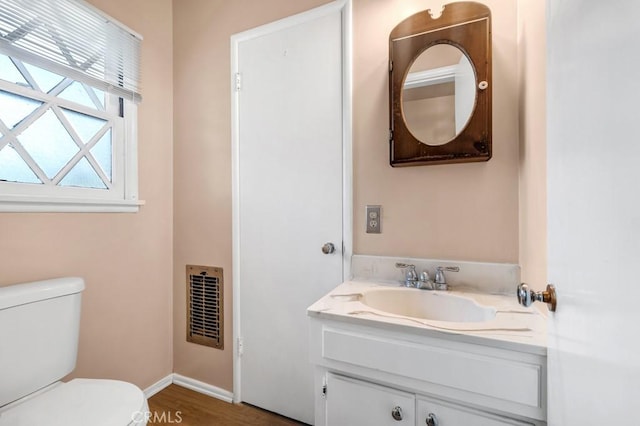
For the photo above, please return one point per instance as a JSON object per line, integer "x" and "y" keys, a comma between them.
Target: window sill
{"x": 23, "y": 204}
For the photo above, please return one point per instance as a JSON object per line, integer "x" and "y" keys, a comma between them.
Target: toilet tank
{"x": 39, "y": 326}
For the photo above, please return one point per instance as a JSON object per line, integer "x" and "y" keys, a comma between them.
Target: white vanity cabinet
{"x": 437, "y": 413}
{"x": 372, "y": 373}
{"x": 354, "y": 402}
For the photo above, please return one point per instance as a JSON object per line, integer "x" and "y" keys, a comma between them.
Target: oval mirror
{"x": 439, "y": 94}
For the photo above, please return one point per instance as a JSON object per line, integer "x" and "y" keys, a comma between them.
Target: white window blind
{"x": 72, "y": 38}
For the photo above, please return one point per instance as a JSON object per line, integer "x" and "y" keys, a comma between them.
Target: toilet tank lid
{"x": 21, "y": 294}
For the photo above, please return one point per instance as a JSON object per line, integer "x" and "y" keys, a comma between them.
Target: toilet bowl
{"x": 80, "y": 402}
{"x": 40, "y": 321}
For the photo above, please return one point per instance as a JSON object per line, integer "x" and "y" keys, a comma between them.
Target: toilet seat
{"x": 81, "y": 402}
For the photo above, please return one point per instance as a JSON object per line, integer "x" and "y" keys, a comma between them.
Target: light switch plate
{"x": 374, "y": 219}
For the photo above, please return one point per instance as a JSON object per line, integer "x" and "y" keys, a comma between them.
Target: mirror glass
{"x": 439, "y": 94}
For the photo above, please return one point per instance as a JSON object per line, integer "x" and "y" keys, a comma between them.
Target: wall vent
{"x": 204, "y": 306}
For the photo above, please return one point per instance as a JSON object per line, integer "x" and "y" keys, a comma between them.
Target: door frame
{"x": 339, "y": 6}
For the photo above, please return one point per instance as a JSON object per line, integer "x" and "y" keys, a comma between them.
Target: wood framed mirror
{"x": 440, "y": 86}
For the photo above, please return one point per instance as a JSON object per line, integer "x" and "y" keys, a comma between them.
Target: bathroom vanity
{"x": 389, "y": 364}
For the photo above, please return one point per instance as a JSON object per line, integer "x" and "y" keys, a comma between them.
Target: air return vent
{"x": 204, "y": 306}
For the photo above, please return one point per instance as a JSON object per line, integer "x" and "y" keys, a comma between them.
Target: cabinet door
{"x": 446, "y": 414}
{"x": 353, "y": 402}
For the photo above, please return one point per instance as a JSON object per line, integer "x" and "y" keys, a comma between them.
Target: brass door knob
{"x": 526, "y": 296}
{"x": 328, "y": 248}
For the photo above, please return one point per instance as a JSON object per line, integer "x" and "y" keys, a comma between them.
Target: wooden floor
{"x": 180, "y": 406}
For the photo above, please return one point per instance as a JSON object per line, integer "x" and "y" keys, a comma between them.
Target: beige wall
{"x": 466, "y": 211}
{"x": 533, "y": 152}
{"x": 461, "y": 211}
{"x": 202, "y": 159}
{"x": 125, "y": 259}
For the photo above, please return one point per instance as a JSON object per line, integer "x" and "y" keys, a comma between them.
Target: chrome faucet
{"x": 411, "y": 277}
{"x": 424, "y": 282}
{"x": 440, "y": 280}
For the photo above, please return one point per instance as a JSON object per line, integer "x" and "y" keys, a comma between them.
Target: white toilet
{"x": 39, "y": 326}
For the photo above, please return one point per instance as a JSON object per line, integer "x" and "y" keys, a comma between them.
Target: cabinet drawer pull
{"x": 432, "y": 420}
{"x": 396, "y": 413}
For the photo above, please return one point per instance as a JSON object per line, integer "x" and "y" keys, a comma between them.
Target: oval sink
{"x": 429, "y": 305}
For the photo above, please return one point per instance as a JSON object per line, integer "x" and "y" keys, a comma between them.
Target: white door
{"x": 289, "y": 201}
{"x": 594, "y": 211}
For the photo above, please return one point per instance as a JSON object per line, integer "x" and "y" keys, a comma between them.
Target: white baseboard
{"x": 158, "y": 386}
{"x": 189, "y": 383}
{"x": 203, "y": 388}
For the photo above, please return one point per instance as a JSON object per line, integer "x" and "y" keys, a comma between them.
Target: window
{"x": 68, "y": 108}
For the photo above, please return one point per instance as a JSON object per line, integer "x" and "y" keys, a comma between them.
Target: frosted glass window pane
{"x": 102, "y": 152}
{"x": 13, "y": 168}
{"x": 84, "y": 176}
{"x": 100, "y": 94}
{"x": 85, "y": 125}
{"x": 76, "y": 93}
{"x": 48, "y": 143}
{"x": 14, "y": 108}
{"x": 45, "y": 79}
{"x": 10, "y": 73}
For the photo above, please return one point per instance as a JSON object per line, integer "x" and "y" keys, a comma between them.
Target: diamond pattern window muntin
{"x": 15, "y": 108}
{"x": 49, "y": 143}
{"x": 78, "y": 124}
{"x": 9, "y": 72}
{"x": 46, "y": 80}
{"x": 11, "y": 161}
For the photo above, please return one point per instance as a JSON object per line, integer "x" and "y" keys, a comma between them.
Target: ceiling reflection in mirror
{"x": 440, "y": 87}
{"x": 439, "y": 94}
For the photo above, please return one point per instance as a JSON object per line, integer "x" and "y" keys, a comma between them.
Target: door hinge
{"x": 324, "y": 391}
{"x": 390, "y": 66}
{"x": 240, "y": 347}
{"x": 237, "y": 82}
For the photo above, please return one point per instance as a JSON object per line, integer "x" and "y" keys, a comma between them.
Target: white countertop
{"x": 514, "y": 327}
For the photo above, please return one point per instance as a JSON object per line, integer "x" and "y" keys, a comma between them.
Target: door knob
{"x": 328, "y": 248}
{"x": 432, "y": 420}
{"x": 526, "y": 296}
{"x": 396, "y": 413}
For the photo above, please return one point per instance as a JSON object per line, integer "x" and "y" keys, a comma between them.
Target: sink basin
{"x": 428, "y": 305}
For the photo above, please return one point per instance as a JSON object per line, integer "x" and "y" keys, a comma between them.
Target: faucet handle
{"x": 411, "y": 276}
{"x": 411, "y": 269}
{"x": 440, "y": 280}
